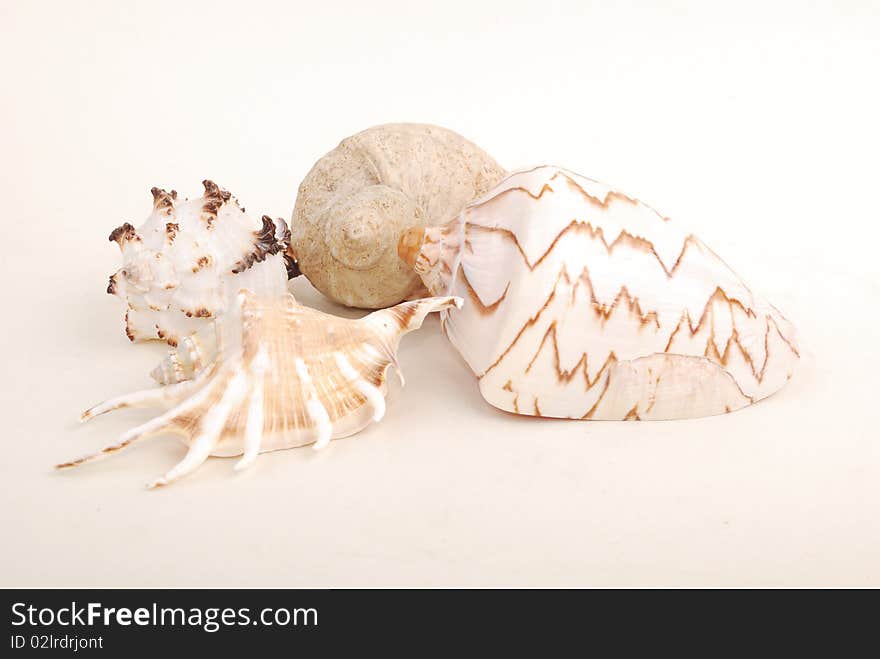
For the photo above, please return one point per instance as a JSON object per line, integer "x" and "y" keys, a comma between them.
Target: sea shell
{"x": 585, "y": 303}
{"x": 356, "y": 200}
{"x": 284, "y": 375}
{"x": 181, "y": 268}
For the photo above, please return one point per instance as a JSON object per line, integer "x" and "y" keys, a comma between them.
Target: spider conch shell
{"x": 181, "y": 268}
{"x": 585, "y": 303}
{"x": 357, "y": 199}
{"x": 284, "y": 375}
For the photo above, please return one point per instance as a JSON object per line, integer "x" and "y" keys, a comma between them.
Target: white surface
{"x": 755, "y": 123}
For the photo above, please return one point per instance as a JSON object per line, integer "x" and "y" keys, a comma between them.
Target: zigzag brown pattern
{"x": 605, "y": 312}
{"x": 723, "y": 358}
{"x": 612, "y": 195}
{"x": 636, "y": 242}
{"x": 581, "y": 367}
{"x": 577, "y": 226}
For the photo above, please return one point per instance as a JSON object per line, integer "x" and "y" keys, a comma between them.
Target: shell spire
{"x": 585, "y": 303}
{"x": 283, "y": 376}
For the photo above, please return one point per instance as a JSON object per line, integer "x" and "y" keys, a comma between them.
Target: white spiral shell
{"x": 585, "y": 303}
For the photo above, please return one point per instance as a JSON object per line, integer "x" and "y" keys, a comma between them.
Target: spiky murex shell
{"x": 181, "y": 267}
{"x": 582, "y": 302}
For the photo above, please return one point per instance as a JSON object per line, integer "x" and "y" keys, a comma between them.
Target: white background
{"x": 755, "y": 123}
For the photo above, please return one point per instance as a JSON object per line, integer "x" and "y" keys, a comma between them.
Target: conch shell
{"x": 585, "y": 303}
{"x": 357, "y": 199}
{"x": 183, "y": 266}
{"x": 284, "y": 375}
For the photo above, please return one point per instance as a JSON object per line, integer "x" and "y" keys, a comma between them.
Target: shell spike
{"x": 123, "y": 235}
{"x": 408, "y": 316}
{"x": 168, "y": 422}
{"x": 203, "y": 444}
{"x": 146, "y": 398}
{"x": 253, "y": 433}
{"x": 153, "y": 427}
{"x": 196, "y": 455}
{"x": 163, "y": 201}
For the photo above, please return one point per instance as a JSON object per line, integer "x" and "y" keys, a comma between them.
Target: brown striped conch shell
{"x": 582, "y": 302}
{"x": 184, "y": 264}
{"x": 283, "y": 376}
{"x": 357, "y": 199}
